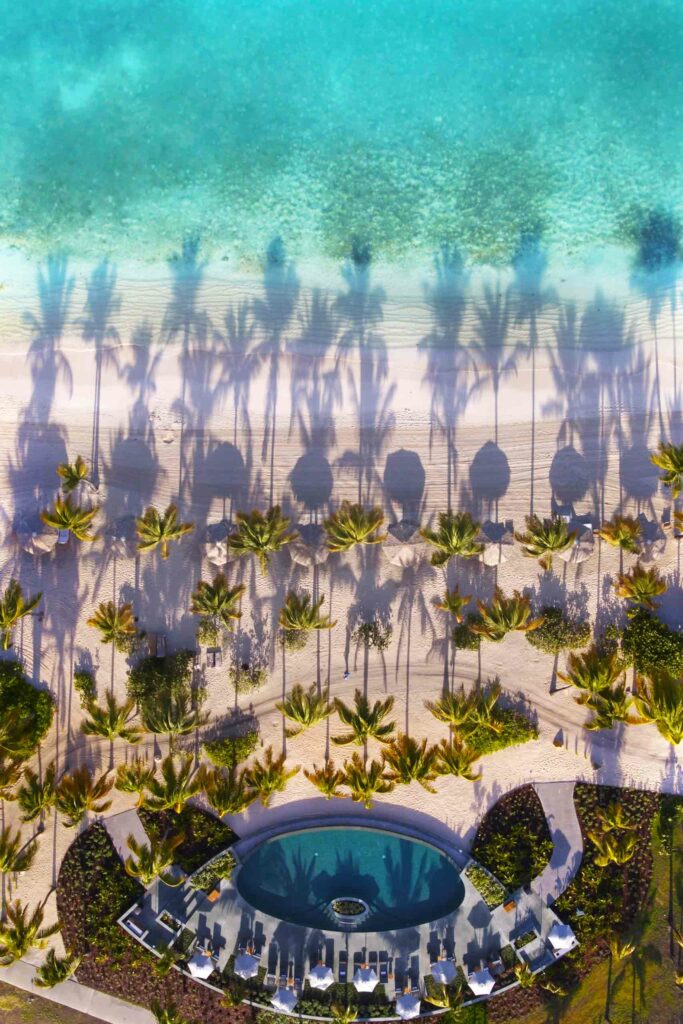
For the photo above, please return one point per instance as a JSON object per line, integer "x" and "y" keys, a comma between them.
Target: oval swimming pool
{"x": 301, "y": 876}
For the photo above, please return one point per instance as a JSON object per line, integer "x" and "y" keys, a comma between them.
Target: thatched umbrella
{"x": 37, "y": 542}
{"x": 310, "y": 547}
{"x": 581, "y": 549}
{"x": 216, "y": 547}
{"x": 498, "y": 540}
{"x": 404, "y": 545}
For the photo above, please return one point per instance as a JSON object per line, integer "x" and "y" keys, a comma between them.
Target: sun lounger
{"x": 62, "y": 536}
{"x": 383, "y": 968}
{"x": 343, "y": 966}
{"x": 372, "y": 960}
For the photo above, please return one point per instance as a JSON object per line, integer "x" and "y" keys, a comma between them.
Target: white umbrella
{"x": 321, "y": 976}
{"x": 310, "y": 547}
{"x": 216, "y": 548}
{"x": 365, "y": 979}
{"x": 561, "y": 936}
{"x": 408, "y": 1006}
{"x": 498, "y": 542}
{"x": 284, "y": 999}
{"x": 39, "y": 542}
{"x": 404, "y": 545}
{"x": 581, "y": 549}
{"x": 481, "y": 982}
{"x": 651, "y": 551}
{"x": 246, "y": 966}
{"x": 443, "y": 972}
{"x": 201, "y": 965}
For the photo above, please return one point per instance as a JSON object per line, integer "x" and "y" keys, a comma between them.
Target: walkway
{"x": 557, "y": 799}
{"x": 120, "y": 826}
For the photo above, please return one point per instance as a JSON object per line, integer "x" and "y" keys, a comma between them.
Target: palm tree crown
{"x": 178, "y": 784}
{"x": 593, "y": 671}
{"x": 15, "y": 855}
{"x": 621, "y": 532}
{"x": 456, "y": 758}
{"x": 327, "y": 779}
{"x": 21, "y": 931}
{"x": 227, "y": 792}
{"x": 72, "y": 473}
{"x": 669, "y": 458}
{"x": 640, "y": 587}
{"x": 364, "y": 721}
{"x": 544, "y": 538}
{"x": 365, "y": 780}
{"x": 113, "y": 721}
{"x": 35, "y": 797}
{"x": 261, "y": 535}
{"x": 456, "y": 534}
{"x": 152, "y": 859}
{"x": 13, "y": 606}
{"x": 174, "y": 716}
{"x": 65, "y": 515}
{"x": 77, "y": 794}
{"x": 302, "y": 614}
{"x": 305, "y": 708}
{"x": 453, "y": 602}
{"x": 116, "y": 625}
{"x": 505, "y": 615}
{"x": 409, "y": 761}
{"x": 269, "y": 776}
{"x": 216, "y": 605}
{"x": 155, "y": 529}
{"x": 660, "y": 700}
{"x": 352, "y": 524}
{"x": 54, "y": 970}
{"x": 135, "y": 777}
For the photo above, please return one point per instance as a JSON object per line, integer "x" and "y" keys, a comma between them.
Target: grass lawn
{"x": 17, "y": 1007}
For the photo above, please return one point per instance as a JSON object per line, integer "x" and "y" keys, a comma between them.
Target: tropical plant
{"x": 593, "y": 671}
{"x": 640, "y": 587}
{"x": 456, "y": 758}
{"x": 21, "y": 931}
{"x": 365, "y": 780}
{"x": 364, "y": 721}
{"x": 72, "y": 474}
{"x": 375, "y": 634}
{"x": 160, "y": 530}
{"x": 327, "y": 779}
{"x": 620, "y": 948}
{"x": 466, "y": 712}
{"x": 65, "y": 515}
{"x": 505, "y": 615}
{"x": 449, "y": 997}
{"x": 559, "y": 632}
{"x": 152, "y": 859}
{"x": 353, "y": 524}
{"x": 227, "y": 792}
{"x": 173, "y": 715}
{"x": 409, "y": 761}
{"x": 116, "y": 625}
{"x": 612, "y": 818}
{"x": 13, "y": 607}
{"x": 269, "y": 776}
{"x": 525, "y": 976}
{"x": 135, "y": 777}
{"x": 168, "y": 1014}
{"x": 613, "y": 847}
{"x": 300, "y": 615}
{"x": 234, "y": 993}
{"x": 669, "y": 458}
{"x": 26, "y": 712}
{"x": 15, "y": 735}
{"x": 456, "y": 534}
{"x": 305, "y": 708}
{"x": 10, "y": 775}
{"x": 179, "y": 782}
{"x": 621, "y": 532}
{"x": 609, "y": 707}
{"x": 167, "y": 960}
{"x": 78, "y": 793}
{"x": 15, "y": 856}
{"x": 216, "y": 605}
{"x": 344, "y": 1014}
{"x": 453, "y": 602}
{"x": 230, "y": 751}
{"x": 54, "y": 970}
{"x": 113, "y": 721}
{"x": 544, "y": 538}
{"x": 261, "y": 535}
{"x": 34, "y": 796}
{"x": 659, "y": 699}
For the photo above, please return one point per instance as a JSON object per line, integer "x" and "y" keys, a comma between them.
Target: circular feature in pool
{"x": 299, "y": 876}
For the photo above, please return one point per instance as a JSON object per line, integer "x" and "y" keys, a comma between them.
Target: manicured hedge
{"x": 34, "y": 708}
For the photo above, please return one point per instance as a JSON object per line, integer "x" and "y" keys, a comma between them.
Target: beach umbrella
{"x": 443, "y": 972}
{"x": 246, "y": 966}
{"x": 365, "y": 979}
{"x": 201, "y": 965}
{"x": 581, "y": 549}
{"x": 284, "y": 999}
{"x": 321, "y": 976}
{"x": 561, "y": 936}
{"x": 38, "y": 542}
{"x": 310, "y": 547}
{"x": 651, "y": 551}
{"x": 498, "y": 541}
{"x": 481, "y": 982}
{"x": 408, "y": 1006}
{"x": 121, "y": 538}
{"x": 403, "y": 545}
{"x": 216, "y": 548}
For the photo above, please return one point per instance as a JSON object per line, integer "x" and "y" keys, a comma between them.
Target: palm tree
{"x": 544, "y": 538}
{"x": 305, "y": 708}
{"x": 178, "y": 784}
{"x": 21, "y": 931}
{"x": 669, "y": 458}
{"x": 453, "y": 602}
{"x": 261, "y": 535}
{"x": 620, "y": 948}
{"x": 216, "y": 605}
{"x": 13, "y": 606}
{"x": 456, "y": 758}
{"x": 456, "y": 534}
{"x": 13, "y": 856}
{"x": 327, "y": 779}
{"x": 409, "y": 761}
{"x": 112, "y": 721}
{"x": 167, "y": 959}
{"x": 621, "y": 532}
{"x": 640, "y": 587}
{"x": 269, "y": 776}
{"x": 505, "y": 615}
{"x": 344, "y": 1014}
{"x": 660, "y": 700}
{"x": 525, "y": 976}
{"x": 235, "y": 993}
{"x": 15, "y": 735}
{"x": 353, "y": 524}
{"x": 365, "y": 780}
{"x": 168, "y": 1014}
{"x": 609, "y": 707}
{"x": 299, "y": 616}
{"x": 157, "y": 530}
{"x": 10, "y": 775}
{"x": 64, "y": 515}
{"x": 152, "y": 859}
{"x": 73, "y": 474}
{"x": 365, "y": 722}
{"x": 35, "y": 797}
{"x": 227, "y": 792}
{"x": 116, "y": 625}
{"x": 135, "y": 777}
{"x": 613, "y": 847}
{"x": 593, "y": 671}
{"x": 612, "y": 818}
{"x": 54, "y": 970}
{"x": 449, "y": 997}
{"x": 78, "y": 793}
{"x": 173, "y": 715}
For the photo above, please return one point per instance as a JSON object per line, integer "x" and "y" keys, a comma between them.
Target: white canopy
{"x": 561, "y": 936}
{"x": 651, "y": 551}
{"x": 581, "y": 549}
{"x": 365, "y": 979}
{"x": 321, "y": 976}
{"x": 408, "y": 1006}
{"x": 246, "y": 966}
{"x": 284, "y": 999}
{"x": 201, "y": 965}
{"x": 310, "y": 547}
{"x": 498, "y": 541}
{"x": 216, "y": 549}
{"x": 403, "y": 545}
{"x": 443, "y": 971}
{"x": 40, "y": 542}
{"x": 481, "y": 982}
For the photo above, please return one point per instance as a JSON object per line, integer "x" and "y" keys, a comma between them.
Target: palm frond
{"x": 261, "y": 535}
{"x": 353, "y": 524}
{"x": 159, "y": 530}
{"x": 456, "y": 534}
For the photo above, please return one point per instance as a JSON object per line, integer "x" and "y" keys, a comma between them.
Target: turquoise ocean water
{"x": 126, "y": 124}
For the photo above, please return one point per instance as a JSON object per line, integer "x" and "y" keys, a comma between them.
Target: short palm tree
{"x": 72, "y": 474}
{"x": 613, "y": 847}
{"x": 305, "y": 708}
{"x": 269, "y": 776}
{"x": 612, "y": 818}
{"x": 179, "y": 782}
{"x": 54, "y": 970}
{"x": 216, "y": 604}
{"x": 327, "y": 779}
{"x": 448, "y": 997}
{"x": 610, "y": 707}
{"x": 113, "y": 721}
{"x": 525, "y": 976}
{"x": 10, "y": 776}
{"x": 640, "y": 587}
{"x": 115, "y": 624}
{"x": 159, "y": 530}
{"x": 365, "y": 721}
{"x": 15, "y": 856}
{"x": 227, "y": 792}
{"x": 505, "y": 615}
{"x": 544, "y": 538}
{"x": 621, "y": 532}
{"x": 168, "y": 957}
{"x": 409, "y": 761}
{"x": 13, "y": 607}
{"x": 78, "y": 793}
{"x": 152, "y": 859}
{"x": 352, "y": 524}
{"x": 456, "y": 534}
{"x": 620, "y": 948}
{"x": 365, "y": 780}
{"x": 65, "y": 515}
{"x": 135, "y": 777}
{"x": 15, "y": 735}
{"x": 593, "y": 671}
{"x": 344, "y": 1014}
{"x": 261, "y": 535}
{"x": 34, "y": 796}
{"x": 21, "y": 931}
{"x": 660, "y": 700}
{"x": 300, "y": 615}
{"x": 168, "y": 1014}
{"x": 669, "y": 458}
{"x": 174, "y": 716}
{"x": 453, "y": 602}
{"x": 456, "y": 758}
{"x": 457, "y": 709}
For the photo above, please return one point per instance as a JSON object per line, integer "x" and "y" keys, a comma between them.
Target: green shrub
{"x": 558, "y": 632}
{"x": 513, "y": 728}
{"x": 489, "y": 888}
{"x": 156, "y": 678}
{"x": 669, "y": 814}
{"x": 294, "y": 639}
{"x": 205, "y": 835}
{"x": 84, "y": 684}
{"x": 651, "y": 645}
{"x": 373, "y": 634}
{"x": 463, "y": 637}
{"x": 247, "y": 676}
{"x": 208, "y": 878}
{"x": 513, "y": 840}
{"x": 33, "y": 708}
{"x": 232, "y": 750}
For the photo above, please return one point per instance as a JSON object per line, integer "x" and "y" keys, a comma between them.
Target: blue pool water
{"x": 404, "y": 881}
{"x": 126, "y": 124}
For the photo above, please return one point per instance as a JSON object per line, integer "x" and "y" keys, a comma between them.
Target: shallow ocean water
{"x": 127, "y": 124}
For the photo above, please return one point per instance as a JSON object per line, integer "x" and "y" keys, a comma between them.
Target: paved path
{"x": 557, "y": 799}
{"x": 122, "y": 825}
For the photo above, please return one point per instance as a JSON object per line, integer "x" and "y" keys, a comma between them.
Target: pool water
{"x": 296, "y": 876}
